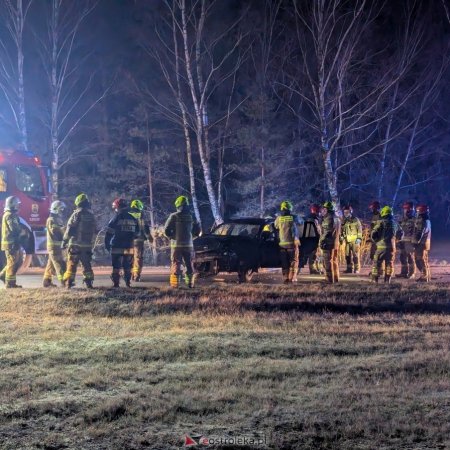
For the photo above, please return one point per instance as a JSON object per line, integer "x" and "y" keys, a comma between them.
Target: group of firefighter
{"x": 411, "y": 236}
{"x": 127, "y": 232}
{"x": 125, "y": 236}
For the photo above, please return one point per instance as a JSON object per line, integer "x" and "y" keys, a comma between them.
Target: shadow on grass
{"x": 357, "y": 300}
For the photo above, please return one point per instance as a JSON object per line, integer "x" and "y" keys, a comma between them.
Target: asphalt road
{"x": 159, "y": 277}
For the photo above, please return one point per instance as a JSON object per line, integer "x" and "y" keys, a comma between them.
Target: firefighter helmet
{"x": 119, "y": 203}
{"x": 81, "y": 200}
{"x": 422, "y": 209}
{"x": 182, "y": 200}
{"x": 137, "y": 204}
{"x": 286, "y": 205}
{"x": 329, "y": 205}
{"x": 409, "y": 206}
{"x": 314, "y": 209}
{"x": 12, "y": 204}
{"x": 348, "y": 208}
{"x": 386, "y": 211}
{"x": 375, "y": 206}
{"x": 57, "y": 207}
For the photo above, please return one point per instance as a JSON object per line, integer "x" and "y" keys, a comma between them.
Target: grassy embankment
{"x": 308, "y": 367}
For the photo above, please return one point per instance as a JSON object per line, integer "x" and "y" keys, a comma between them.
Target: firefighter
{"x": 315, "y": 267}
{"x": 329, "y": 242}
{"x": 56, "y": 264}
{"x": 180, "y": 227}
{"x": 10, "y": 244}
{"x": 422, "y": 242}
{"x": 406, "y": 245}
{"x": 384, "y": 234}
{"x": 121, "y": 232}
{"x": 137, "y": 208}
{"x": 374, "y": 207}
{"x": 289, "y": 241}
{"x": 79, "y": 240}
{"x": 351, "y": 237}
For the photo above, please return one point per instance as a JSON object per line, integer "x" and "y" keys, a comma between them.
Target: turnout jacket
{"x": 422, "y": 231}
{"x": 385, "y": 232}
{"x": 81, "y": 229}
{"x": 121, "y": 232}
{"x": 286, "y": 224}
{"x": 331, "y": 231}
{"x": 10, "y": 231}
{"x": 408, "y": 225}
{"x": 351, "y": 230}
{"x": 144, "y": 228}
{"x": 180, "y": 227}
{"x": 55, "y": 232}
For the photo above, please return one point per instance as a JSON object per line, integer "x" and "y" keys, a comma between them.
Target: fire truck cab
{"x": 22, "y": 175}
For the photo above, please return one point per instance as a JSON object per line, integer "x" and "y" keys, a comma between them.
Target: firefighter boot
{"x": 12, "y": 285}
{"x": 127, "y": 278}
{"x": 387, "y": 279}
{"x": 89, "y": 284}
{"x": 47, "y": 283}
{"x": 115, "y": 278}
{"x": 374, "y": 278}
{"x": 189, "y": 280}
{"x": 2, "y": 277}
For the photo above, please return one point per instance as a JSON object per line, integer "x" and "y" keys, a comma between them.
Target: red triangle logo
{"x": 188, "y": 441}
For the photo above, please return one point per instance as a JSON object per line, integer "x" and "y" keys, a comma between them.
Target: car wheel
{"x": 245, "y": 275}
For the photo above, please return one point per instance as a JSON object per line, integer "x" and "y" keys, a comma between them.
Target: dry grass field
{"x": 304, "y": 367}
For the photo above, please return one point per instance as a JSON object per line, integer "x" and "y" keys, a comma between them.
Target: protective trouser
{"x": 384, "y": 256}
{"x": 421, "y": 256}
{"x": 56, "y": 265}
{"x": 289, "y": 262}
{"x": 331, "y": 264}
{"x": 314, "y": 262}
{"x": 121, "y": 261}
{"x": 407, "y": 259}
{"x": 13, "y": 262}
{"x": 76, "y": 255}
{"x": 180, "y": 256}
{"x": 352, "y": 256}
{"x": 138, "y": 260}
{"x": 373, "y": 249}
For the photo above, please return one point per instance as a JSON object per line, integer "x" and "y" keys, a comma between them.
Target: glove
{"x": 297, "y": 241}
{"x": 358, "y": 241}
{"x": 341, "y": 240}
{"x": 64, "y": 245}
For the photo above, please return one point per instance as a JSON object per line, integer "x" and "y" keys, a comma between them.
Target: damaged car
{"x": 245, "y": 245}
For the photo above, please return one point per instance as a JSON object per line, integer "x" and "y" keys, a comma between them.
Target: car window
{"x": 243, "y": 229}
{"x": 222, "y": 230}
{"x": 307, "y": 230}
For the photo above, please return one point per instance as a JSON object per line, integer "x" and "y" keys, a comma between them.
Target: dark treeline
{"x": 239, "y": 104}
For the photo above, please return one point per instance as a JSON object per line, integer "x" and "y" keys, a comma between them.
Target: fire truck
{"x": 22, "y": 175}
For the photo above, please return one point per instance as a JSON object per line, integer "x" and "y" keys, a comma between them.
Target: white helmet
{"x": 57, "y": 207}
{"x": 12, "y": 204}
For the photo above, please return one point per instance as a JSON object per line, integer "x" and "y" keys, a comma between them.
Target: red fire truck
{"x": 22, "y": 175}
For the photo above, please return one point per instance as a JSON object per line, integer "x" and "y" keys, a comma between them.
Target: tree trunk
{"x": 21, "y": 89}
{"x": 199, "y": 121}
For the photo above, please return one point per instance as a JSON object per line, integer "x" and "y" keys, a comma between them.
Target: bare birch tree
{"x": 71, "y": 98}
{"x": 12, "y": 57}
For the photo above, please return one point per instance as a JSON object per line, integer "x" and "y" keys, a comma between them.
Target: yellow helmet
{"x": 181, "y": 201}
{"x": 81, "y": 198}
{"x": 286, "y": 205}
{"x": 386, "y": 211}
